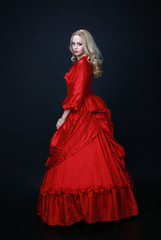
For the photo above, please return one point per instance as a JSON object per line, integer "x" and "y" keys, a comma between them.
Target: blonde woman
{"x": 86, "y": 178}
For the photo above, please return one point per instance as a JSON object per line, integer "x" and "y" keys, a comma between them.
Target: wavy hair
{"x": 91, "y": 50}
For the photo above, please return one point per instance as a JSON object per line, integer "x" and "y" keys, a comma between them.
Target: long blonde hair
{"x": 91, "y": 50}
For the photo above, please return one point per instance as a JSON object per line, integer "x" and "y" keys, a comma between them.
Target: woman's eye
{"x": 78, "y": 43}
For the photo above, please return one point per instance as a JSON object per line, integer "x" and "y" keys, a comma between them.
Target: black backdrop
{"x": 34, "y": 58}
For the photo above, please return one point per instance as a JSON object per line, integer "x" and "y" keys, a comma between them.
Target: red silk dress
{"x": 86, "y": 178}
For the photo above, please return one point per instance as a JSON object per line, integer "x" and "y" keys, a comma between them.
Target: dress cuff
{"x": 71, "y": 103}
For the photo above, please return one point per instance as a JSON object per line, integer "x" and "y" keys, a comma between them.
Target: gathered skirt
{"x": 90, "y": 183}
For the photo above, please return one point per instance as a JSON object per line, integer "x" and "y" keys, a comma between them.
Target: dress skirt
{"x": 91, "y": 183}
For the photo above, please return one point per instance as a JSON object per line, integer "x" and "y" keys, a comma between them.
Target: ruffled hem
{"x": 91, "y": 205}
{"x": 77, "y": 191}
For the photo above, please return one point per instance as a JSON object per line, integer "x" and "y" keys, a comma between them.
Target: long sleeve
{"x": 78, "y": 88}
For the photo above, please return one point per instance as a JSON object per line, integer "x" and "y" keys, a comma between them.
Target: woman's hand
{"x": 60, "y": 122}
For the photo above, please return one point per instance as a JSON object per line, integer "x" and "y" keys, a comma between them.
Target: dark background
{"x": 34, "y": 58}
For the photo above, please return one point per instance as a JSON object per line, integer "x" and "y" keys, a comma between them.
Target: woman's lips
{"x": 75, "y": 51}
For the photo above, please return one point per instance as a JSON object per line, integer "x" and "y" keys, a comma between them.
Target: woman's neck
{"x": 81, "y": 57}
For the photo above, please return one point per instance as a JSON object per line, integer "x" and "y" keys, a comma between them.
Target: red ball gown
{"x": 86, "y": 178}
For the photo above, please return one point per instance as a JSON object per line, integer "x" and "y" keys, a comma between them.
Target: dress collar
{"x": 82, "y": 57}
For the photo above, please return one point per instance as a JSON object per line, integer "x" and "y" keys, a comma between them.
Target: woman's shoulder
{"x": 84, "y": 62}
{"x": 81, "y": 64}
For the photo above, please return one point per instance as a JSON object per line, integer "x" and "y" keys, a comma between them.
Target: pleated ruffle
{"x": 91, "y": 205}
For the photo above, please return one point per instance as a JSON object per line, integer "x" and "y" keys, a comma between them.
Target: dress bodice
{"x": 79, "y": 83}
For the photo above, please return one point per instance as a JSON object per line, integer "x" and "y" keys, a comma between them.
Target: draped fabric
{"x": 86, "y": 177}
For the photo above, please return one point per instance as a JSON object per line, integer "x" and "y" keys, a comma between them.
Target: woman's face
{"x": 77, "y": 46}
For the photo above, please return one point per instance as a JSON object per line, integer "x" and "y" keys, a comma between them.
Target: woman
{"x": 86, "y": 178}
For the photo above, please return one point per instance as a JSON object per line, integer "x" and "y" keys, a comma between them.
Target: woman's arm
{"x": 66, "y": 112}
{"x": 81, "y": 80}
{"x": 63, "y": 117}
